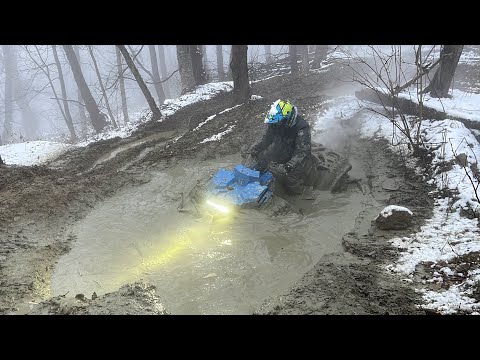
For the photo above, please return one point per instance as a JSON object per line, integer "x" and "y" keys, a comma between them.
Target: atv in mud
{"x": 245, "y": 187}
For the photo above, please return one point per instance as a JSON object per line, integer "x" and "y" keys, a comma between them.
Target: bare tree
{"x": 163, "y": 69}
{"x": 156, "y": 75}
{"x": 205, "y": 62}
{"x": 199, "y": 72}
{"x": 122, "y": 86}
{"x": 81, "y": 107}
{"x": 155, "y": 78}
{"x": 220, "y": 69}
{"x": 66, "y": 108}
{"x": 320, "y": 55}
{"x": 268, "y": 54}
{"x": 98, "y": 119}
{"x": 292, "y": 50}
{"x": 8, "y": 120}
{"x": 21, "y": 90}
{"x": 241, "y": 86}
{"x": 305, "y": 58}
{"x": 148, "y": 96}
{"x": 41, "y": 64}
{"x": 383, "y": 74}
{"x": 104, "y": 93}
{"x": 229, "y": 74}
{"x": 185, "y": 66}
{"x": 440, "y": 84}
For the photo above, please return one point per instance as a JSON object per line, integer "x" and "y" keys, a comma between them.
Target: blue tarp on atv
{"x": 241, "y": 186}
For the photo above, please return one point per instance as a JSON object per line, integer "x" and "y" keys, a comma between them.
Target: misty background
{"x": 40, "y": 99}
{"x": 31, "y": 99}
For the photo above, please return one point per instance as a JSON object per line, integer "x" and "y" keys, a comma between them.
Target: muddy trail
{"x": 97, "y": 231}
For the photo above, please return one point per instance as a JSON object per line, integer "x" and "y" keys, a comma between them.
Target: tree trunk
{"x": 104, "y": 93}
{"x": 81, "y": 108}
{"x": 443, "y": 77}
{"x": 199, "y": 73}
{"x": 185, "y": 67}
{"x": 205, "y": 63}
{"x": 8, "y": 120}
{"x": 229, "y": 74}
{"x": 97, "y": 119}
{"x": 292, "y": 49}
{"x": 148, "y": 96}
{"x": 156, "y": 75}
{"x": 268, "y": 54}
{"x": 220, "y": 69}
{"x": 122, "y": 86}
{"x": 163, "y": 70}
{"x": 320, "y": 55}
{"x": 66, "y": 108}
{"x": 241, "y": 86}
{"x": 305, "y": 59}
{"x": 20, "y": 91}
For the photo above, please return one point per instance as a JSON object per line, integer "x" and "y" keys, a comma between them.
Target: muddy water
{"x": 200, "y": 265}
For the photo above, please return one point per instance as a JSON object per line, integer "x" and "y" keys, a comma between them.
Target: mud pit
{"x": 121, "y": 225}
{"x": 202, "y": 265}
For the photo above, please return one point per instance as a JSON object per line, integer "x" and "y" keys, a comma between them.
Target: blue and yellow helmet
{"x": 279, "y": 111}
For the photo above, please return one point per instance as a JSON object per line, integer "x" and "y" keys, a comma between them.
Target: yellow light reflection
{"x": 218, "y": 207}
{"x": 209, "y": 232}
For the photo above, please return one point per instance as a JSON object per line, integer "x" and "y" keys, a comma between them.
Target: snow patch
{"x": 388, "y": 210}
{"x": 32, "y": 152}
{"x": 218, "y": 136}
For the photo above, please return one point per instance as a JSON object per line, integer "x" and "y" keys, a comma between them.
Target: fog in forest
{"x": 39, "y": 93}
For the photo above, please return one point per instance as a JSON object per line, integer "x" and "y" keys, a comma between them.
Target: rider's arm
{"x": 264, "y": 142}
{"x": 303, "y": 147}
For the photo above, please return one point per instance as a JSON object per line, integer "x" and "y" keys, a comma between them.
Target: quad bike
{"x": 245, "y": 187}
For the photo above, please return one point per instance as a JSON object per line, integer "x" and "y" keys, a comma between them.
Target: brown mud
{"x": 40, "y": 204}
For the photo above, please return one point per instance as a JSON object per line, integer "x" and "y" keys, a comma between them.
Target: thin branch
{"x": 425, "y": 70}
{"x": 150, "y": 82}
{"x": 71, "y": 100}
{"x": 140, "y": 64}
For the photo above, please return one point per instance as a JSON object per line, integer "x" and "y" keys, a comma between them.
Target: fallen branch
{"x": 425, "y": 71}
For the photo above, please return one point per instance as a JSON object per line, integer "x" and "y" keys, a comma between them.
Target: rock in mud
{"x": 390, "y": 184}
{"x": 394, "y": 217}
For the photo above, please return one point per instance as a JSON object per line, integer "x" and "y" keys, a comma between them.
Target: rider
{"x": 285, "y": 148}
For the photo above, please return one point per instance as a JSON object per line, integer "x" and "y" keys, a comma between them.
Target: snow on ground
{"x": 214, "y": 115}
{"x": 447, "y": 234}
{"x": 218, "y": 136}
{"x": 201, "y": 93}
{"x": 469, "y": 57}
{"x": 444, "y": 236}
{"x": 462, "y": 104}
{"x": 31, "y": 152}
{"x": 455, "y": 139}
{"x": 37, "y": 152}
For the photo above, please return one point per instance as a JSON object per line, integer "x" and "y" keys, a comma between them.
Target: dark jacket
{"x": 287, "y": 145}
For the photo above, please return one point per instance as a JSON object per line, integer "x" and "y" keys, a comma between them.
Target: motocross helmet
{"x": 281, "y": 111}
